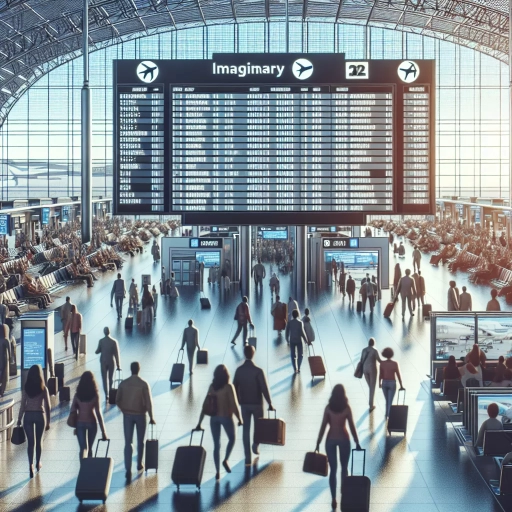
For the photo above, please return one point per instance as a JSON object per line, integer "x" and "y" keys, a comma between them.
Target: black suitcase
{"x": 112, "y": 394}
{"x": 94, "y": 477}
{"x": 52, "y": 385}
{"x": 151, "y": 461}
{"x": 355, "y": 493}
{"x": 13, "y": 369}
{"x": 205, "y": 303}
{"x": 202, "y": 356}
{"x": 397, "y": 421}
{"x": 128, "y": 322}
{"x": 188, "y": 464}
{"x": 64, "y": 394}
{"x": 59, "y": 370}
{"x": 359, "y": 306}
{"x": 178, "y": 369}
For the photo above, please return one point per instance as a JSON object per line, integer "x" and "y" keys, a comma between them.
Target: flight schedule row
{"x": 282, "y": 148}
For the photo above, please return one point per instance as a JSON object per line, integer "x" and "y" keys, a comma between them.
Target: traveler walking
{"x": 243, "y": 317}
{"x": 5, "y": 358}
{"x": 389, "y": 372}
{"x": 280, "y": 313}
{"x": 292, "y": 304}
{"x": 334, "y": 270}
{"x": 493, "y": 304}
{"x": 65, "y": 311}
{"x": 251, "y": 387}
{"x": 147, "y": 306}
{"x": 258, "y": 272}
{"x": 308, "y": 327}
{"x": 173, "y": 291}
{"x": 337, "y": 414}
{"x": 419, "y": 283}
{"x": 35, "y": 412}
{"x": 274, "y": 285}
{"x": 191, "y": 340}
{"x": 396, "y": 278}
{"x": 369, "y": 358}
{"x": 294, "y": 335}
{"x": 407, "y": 291}
{"x": 466, "y": 302}
{"x": 222, "y": 394}
{"x": 133, "y": 296}
{"x": 453, "y": 299}
{"x": 343, "y": 278}
{"x": 134, "y": 401}
{"x": 86, "y": 405}
{"x": 74, "y": 327}
{"x": 367, "y": 294}
{"x": 416, "y": 259}
{"x": 154, "y": 294}
{"x": 119, "y": 292}
{"x": 376, "y": 290}
{"x": 351, "y": 289}
{"x": 108, "y": 349}
{"x": 155, "y": 251}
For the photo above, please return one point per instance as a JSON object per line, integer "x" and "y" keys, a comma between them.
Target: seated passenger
{"x": 476, "y": 356}
{"x": 451, "y": 371}
{"x": 468, "y": 371}
{"x": 492, "y": 423}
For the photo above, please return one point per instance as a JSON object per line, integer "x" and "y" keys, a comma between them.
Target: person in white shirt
{"x": 292, "y": 304}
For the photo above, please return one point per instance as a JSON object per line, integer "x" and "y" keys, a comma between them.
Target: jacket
{"x": 88, "y": 412}
{"x": 74, "y": 322}
{"x": 134, "y": 396}
{"x": 190, "y": 338}
{"x": 250, "y": 384}
{"x": 466, "y": 303}
{"x": 351, "y": 286}
{"x": 65, "y": 311}
{"x": 369, "y": 358}
{"x": 453, "y": 300}
{"x": 242, "y": 313}
{"x": 109, "y": 350}
{"x": 308, "y": 328}
{"x": 406, "y": 287}
{"x": 295, "y": 331}
{"x": 227, "y": 403}
{"x": 118, "y": 288}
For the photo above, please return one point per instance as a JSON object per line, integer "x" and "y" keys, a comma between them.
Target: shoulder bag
{"x": 210, "y": 405}
{"x": 358, "y": 374}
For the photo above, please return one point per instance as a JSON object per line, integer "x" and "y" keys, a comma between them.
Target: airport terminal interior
{"x": 298, "y": 180}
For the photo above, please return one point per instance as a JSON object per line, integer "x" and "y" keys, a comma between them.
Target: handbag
{"x": 316, "y": 463}
{"x": 18, "y": 435}
{"x": 72, "y": 419}
{"x": 210, "y": 405}
{"x": 358, "y": 374}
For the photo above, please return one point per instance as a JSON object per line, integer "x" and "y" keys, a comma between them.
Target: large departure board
{"x": 253, "y": 138}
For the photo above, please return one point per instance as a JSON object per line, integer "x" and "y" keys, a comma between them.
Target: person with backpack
{"x": 221, "y": 404}
{"x": 243, "y": 317}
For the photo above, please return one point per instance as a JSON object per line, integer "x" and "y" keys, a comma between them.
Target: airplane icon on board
{"x": 408, "y": 71}
{"x": 303, "y": 68}
{"x": 146, "y": 71}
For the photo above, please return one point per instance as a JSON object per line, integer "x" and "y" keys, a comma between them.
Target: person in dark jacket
{"x": 294, "y": 335}
{"x": 251, "y": 387}
{"x": 5, "y": 357}
{"x": 119, "y": 293}
{"x": 351, "y": 289}
{"x": 243, "y": 317}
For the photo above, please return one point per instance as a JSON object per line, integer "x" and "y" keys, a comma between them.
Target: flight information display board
{"x": 310, "y": 138}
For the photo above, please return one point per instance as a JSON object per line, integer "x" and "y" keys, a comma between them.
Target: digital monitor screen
{"x": 316, "y": 138}
{"x": 274, "y": 235}
{"x": 504, "y": 402}
{"x": 45, "y": 216}
{"x": 209, "y": 258}
{"x": 357, "y": 263}
{"x": 454, "y": 336}
{"x": 34, "y": 347}
{"x": 495, "y": 336}
{"x": 5, "y": 224}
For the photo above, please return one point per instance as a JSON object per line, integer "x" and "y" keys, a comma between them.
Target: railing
{"x": 6, "y": 419}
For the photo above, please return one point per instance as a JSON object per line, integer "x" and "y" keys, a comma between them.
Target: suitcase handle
{"x": 275, "y": 414}
{"x": 192, "y": 434}
{"x": 151, "y": 432}
{"x": 310, "y": 347}
{"x": 253, "y": 329}
{"x": 364, "y": 460}
{"x": 98, "y": 445}
{"x": 182, "y": 350}
{"x": 398, "y": 396}
{"x": 119, "y": 374}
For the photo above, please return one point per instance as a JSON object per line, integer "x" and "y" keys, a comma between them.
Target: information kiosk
{"x": 37, "y": 343}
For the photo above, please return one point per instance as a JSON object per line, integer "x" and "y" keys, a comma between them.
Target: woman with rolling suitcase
{"x": 221, "y": 404}
{"x": 86, "y": 409}
{"x": 337, "y": 414}
{"x": 35, "y": 412}
{"x": 389, "y": 372}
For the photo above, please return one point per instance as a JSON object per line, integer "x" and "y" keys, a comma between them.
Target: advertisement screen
{"x": 34, "y": 347}
{"x": 454, "y": 336}
{"x": 209, "y": 258}
{"x": 45, "y": 216}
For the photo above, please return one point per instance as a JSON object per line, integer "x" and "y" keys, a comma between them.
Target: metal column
{"x": 287, "y": 29}
{"x": 509, "y": 103}
{"x": 245, "y": 260}
{"x": 300, "y": 264}
{"x": 86, "y": 218}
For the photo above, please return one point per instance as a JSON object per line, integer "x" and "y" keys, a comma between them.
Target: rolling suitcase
{"x": 253, "y": 339}
{"x": 359, "y": 306}
{"x": 59, "y": 370}
{"x": 427, "y": 308}
{"x": 128, "y": 322}
{"x": 397, "y": 421}
{"x": 139, "y": 316}
{"x": 112, "y": 394}
{"x": 316, "y": 364}
{"x": 205, "y": 303}
{"x": 13, "y": 363}
{"x": 93, "y": 482}
{"x": 355, "y": 493}
{"x": 202, "y": 356}
{"x": 178, "y": 369}
{"x": 188, "y": 464}
{"x": 52, "y": 385}
{"x": 151, "y": 457}
{"x": 270, "y": 431}
{"x": 64, "y": 394}
{"x": 316, "y": 463}
{"x": 82, "y": 344}
{"x": 389, "y": 309}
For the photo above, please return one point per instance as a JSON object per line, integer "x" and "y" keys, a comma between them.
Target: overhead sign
{"x": 273, "y": 232}
{"x": 5, "y": 223}
{"x": 340, "y": 243}
{"x": 206, "y": 243}
{"x": 224, "y": 229}
{"x": 46, "y": 216}
{"x": 65, "y": 213}
{"x": 323, "y": 229}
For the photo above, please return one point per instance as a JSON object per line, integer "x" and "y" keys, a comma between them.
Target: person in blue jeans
{"x": 337, "y": 414}
{"x": 86, "y": 405}
{"x": 223, "y": 404}
{"x": 389, "y": 372}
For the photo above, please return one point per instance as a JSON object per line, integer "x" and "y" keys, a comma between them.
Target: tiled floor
{"x": 427, "y": 471}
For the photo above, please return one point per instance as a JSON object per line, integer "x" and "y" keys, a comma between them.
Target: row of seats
{"x": 504, "y": 277}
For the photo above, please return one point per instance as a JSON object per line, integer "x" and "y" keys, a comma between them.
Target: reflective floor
{"x": 427, "y": 471}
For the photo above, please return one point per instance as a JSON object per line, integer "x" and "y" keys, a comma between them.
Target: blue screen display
{"x": 34, "y": 347}
{"x": 274, "y": 235}
{"x": 209, "y": 258}
{"x": 4, "y": 224}
{"x": 46, "y": 216}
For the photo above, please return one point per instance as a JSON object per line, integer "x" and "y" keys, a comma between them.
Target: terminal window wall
{"x": 40, "y": 139}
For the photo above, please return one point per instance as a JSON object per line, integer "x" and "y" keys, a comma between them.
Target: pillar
{"x": 245, "y": 260}
{"x": 300, "y": 265}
